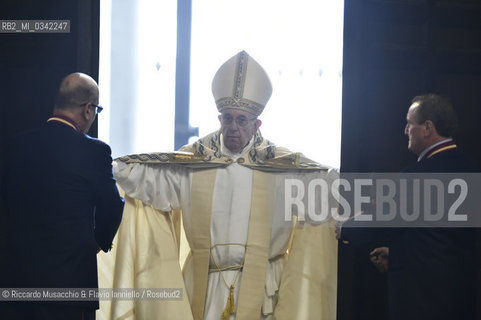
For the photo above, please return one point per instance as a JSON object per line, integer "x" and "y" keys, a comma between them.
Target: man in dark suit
{"x": 431, "y": 272}
{"x": 62, "y": 206}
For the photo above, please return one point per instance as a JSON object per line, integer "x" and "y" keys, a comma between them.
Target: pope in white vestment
{"x": 222, "y": 200}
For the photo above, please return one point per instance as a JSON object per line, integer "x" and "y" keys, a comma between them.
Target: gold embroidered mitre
{"x": 241, "y": 83}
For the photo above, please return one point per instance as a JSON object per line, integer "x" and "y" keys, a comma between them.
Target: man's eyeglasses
{"x": 99, "y": 108}
{"x": 241, "y": 121}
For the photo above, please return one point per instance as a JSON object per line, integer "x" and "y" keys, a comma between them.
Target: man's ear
{"x": 429, "y": 128}
{"x": 258, "y": 123}
{"x": 87, "y": 111}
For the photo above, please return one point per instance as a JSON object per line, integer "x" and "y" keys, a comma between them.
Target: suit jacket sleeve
{"x": 108, "y": 202}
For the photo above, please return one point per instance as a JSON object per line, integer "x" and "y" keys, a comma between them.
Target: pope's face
{"x": 237, "y": 127}
{"x": 414, "y": 131}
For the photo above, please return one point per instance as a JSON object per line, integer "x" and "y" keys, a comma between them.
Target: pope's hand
{"x": 337, "y": 229}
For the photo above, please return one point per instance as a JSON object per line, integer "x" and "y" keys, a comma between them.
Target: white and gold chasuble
{"x": 233, "y": 215}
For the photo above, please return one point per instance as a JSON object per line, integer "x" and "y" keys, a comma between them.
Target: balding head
{"x": 75, "y": 90}
{"x": 77, "y": 98}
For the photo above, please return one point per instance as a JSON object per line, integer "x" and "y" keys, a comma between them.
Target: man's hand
{"x": 380, "y": 258}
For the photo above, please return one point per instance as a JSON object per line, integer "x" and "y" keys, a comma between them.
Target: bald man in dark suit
{"x": 62, "y": 206}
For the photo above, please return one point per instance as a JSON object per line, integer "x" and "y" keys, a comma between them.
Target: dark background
{"x": 393, "y": 50}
